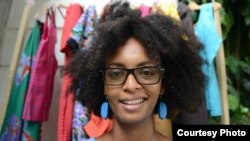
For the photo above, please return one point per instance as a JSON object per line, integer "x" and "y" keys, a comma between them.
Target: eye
{"x": 115, "y": 73}
{"x": 147, "y": 72}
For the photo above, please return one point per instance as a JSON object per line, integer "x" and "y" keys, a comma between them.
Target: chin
{"x": 131, "y": 119}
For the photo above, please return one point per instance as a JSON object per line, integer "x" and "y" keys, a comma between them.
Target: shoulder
{"x": 161, "y": 137}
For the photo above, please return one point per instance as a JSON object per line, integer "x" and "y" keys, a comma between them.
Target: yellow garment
{"x": 169, "y": 9}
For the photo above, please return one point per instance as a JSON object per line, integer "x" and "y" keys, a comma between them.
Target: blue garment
{"x": 206, "y": 32}
{"x": 90, "y": 139}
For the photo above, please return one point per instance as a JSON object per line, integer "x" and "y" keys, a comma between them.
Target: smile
{"x": 133, "y": 102}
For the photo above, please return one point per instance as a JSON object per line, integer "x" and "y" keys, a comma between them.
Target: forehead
{"x": 131, "y": 53}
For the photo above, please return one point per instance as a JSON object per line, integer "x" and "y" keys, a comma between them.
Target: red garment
{"x": 98, "y": 126}
{"x": 66, "y": 105}
{"x": 65, "y": 115}
{"x": 40, "y": 88}
{"x": 73, "y": 13}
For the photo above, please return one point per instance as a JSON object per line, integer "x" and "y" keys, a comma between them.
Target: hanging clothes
{"x": 12, "y": 125}
{"x": 82, "y": 32}
{"x": 98, "y": 126}
{"x": 66, "y": 104}
{"x": 145, "y": 10}
{"x": 73, "y": 13}
{"x": 201, "y": 115}
{"x": 40, "y": 89}
{"x": 89, "y": 25}
{"x": 80, "y": 119}
{"x": 212, "y": 42}
{"x": 168, "y": 8}
{"x": 185, "y": 14}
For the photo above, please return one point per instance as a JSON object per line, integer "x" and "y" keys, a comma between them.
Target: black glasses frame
{"x": 131, "y": 71}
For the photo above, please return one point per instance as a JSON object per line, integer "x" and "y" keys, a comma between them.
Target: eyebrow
{"x": 120, "y": 65}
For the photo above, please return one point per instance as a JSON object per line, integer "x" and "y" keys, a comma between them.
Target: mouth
{"x": 133, "y": 101}
{"x": 133, "y": 105}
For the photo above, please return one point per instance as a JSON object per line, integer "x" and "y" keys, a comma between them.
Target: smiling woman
{"x": 132, "y": 100}
{"x": 134, "y": 68}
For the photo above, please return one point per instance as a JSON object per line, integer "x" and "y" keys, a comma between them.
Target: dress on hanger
{"x": 12, "y": 128}
{"x": 205, "y": 30}
{"x": 40, "y": 90}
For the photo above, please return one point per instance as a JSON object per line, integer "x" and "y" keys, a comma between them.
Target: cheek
{"x": 154, "y": 90}
{"x": 110, "y": 91}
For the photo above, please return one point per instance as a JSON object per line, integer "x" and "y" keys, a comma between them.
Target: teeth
{"x": 133, "y": 102}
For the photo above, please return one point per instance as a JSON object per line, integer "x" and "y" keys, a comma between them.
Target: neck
{"x": 143, "y": 131}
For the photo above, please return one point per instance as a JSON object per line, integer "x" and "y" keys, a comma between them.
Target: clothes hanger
{"x": 194, "y": 6}
{"x": 217, "y": 5}
{"x": 39, "y": 14}
{"x": 60, "y": 6}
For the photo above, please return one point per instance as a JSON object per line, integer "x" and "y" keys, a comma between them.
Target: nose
{"x": 131, "y": 83}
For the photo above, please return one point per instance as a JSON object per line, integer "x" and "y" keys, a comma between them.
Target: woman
{"x": 134, "y": 68}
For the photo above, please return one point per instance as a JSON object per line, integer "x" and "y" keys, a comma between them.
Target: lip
{"x": 132, "y": 105}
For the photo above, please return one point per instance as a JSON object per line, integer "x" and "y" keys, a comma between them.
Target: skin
{"x": 132, "y": 122}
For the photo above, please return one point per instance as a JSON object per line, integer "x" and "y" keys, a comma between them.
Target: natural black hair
{"x": 163, "y": 39}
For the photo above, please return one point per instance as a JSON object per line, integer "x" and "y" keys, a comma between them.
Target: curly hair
{"x": 163, "y": 39}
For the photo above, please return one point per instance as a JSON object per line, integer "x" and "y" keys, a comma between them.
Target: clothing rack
{"x": 221, "y": 72}
{"x": 17, "y": 52}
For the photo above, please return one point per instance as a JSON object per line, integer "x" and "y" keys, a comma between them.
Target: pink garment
{"x": 145, "y": 10}
{"x": 40, "y": 88}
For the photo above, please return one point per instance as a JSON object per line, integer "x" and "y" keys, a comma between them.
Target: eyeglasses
{"x": 143, "y": 75}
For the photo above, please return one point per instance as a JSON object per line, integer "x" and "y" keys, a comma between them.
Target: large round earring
{"x": 162, "y": 110}
{"x": 104, "y": 110}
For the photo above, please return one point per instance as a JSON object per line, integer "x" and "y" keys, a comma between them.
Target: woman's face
{"x": 132, "y": 102}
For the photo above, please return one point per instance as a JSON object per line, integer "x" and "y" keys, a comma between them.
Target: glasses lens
{"x": 148, "y": 75}
{"x": 114, "y": 76}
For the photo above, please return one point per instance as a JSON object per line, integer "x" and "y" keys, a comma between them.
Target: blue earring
{"x": 104, "y": 110}
{"x": 162, "y": 110}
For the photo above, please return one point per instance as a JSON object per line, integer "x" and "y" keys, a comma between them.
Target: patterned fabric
{"x": 80, "y": 119}
{"x": 12, "y": 125}
{"x": 90, "y": 139}
{"x": 31, "y": 131}
{"x": 83, "y": 30}
{"x": 13, "y": 130}
{"x": 40, "y": 89}
{"x": 211, "y": 41}
{"x": 82, "y": 34}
